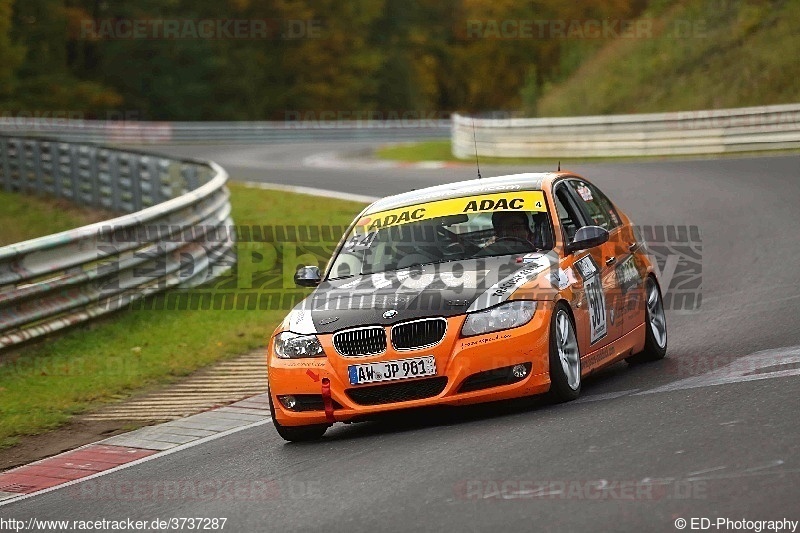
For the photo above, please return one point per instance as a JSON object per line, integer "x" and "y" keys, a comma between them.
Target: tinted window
{"x": 569, "y": 220}
{"x": 597, "y": 205}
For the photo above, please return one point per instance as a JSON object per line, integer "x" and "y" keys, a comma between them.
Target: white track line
{"x": 308, "y": 190}
{"x": 157, "y": 455}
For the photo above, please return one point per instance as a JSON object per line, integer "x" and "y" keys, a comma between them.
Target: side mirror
{"x": 307, "y": 276}
{"x": 588, "y": 237}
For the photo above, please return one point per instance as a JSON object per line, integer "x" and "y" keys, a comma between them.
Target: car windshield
{"x": 447, "y": 230}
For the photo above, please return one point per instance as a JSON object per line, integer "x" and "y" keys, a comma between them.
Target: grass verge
{"x": 701, "y": 54}
{"x": 27, "y": 217}
{"x": 43, "y": 385}
{"x": 440, "y": 151}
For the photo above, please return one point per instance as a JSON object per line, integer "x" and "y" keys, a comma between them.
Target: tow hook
{"x": 327, "y": 401}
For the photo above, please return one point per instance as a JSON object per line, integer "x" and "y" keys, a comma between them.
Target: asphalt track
{"x": 728, "y": 450}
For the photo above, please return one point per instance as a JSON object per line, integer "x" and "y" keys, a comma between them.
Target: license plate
{"x": 416, "y": 367}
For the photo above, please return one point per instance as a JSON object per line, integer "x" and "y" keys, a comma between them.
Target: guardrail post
{"x": 72, "y": 156}
{"x": 169, "y": 179}
{"x": 55, "y": 168}
{"x": 5, "y": 179}
{"x": 113, "y": 170}
{"x": 125, "y": 185}
{"x": 79, "y": 174}
{"x": 155, "y": 179}
{"x": 147, "y": 182}
{"x": 137, "y": 185}
{"x": 190, "y": 175}
{"x": 36, "y": 166}
{"x": 16, "y": 156}
{"x": 93, "y": 177}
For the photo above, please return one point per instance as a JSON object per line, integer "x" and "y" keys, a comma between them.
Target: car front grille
{"x": 398, "y": 392}
{"x": 360, "y": 341}
{"x": 418, "y": 333}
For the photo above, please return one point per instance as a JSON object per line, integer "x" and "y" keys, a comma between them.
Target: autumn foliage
{"x": 188, "y": 59}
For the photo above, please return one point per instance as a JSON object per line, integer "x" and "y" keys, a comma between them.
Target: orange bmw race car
{"x": 463, "y": 293}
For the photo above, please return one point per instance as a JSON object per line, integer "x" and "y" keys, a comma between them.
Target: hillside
{"x": 701, "y": 54}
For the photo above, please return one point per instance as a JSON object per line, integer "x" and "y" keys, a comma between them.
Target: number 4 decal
{"x": 357, "y": 241}
{"x": 593, "y": 287}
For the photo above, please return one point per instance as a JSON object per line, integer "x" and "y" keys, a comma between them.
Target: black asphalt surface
{"x": 730, "y": 451}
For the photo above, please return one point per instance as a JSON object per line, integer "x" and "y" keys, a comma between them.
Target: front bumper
{"x": 457, "y": 358}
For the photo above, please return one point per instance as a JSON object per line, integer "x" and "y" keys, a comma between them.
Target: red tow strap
{"x": 327, "y": 401}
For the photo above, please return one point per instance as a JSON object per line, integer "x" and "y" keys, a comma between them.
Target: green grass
{"x": 440, "y": 151}
{"x": 22, "y": 217}
{"x": 703, "y": 54}
{"x": 43, "y": 385}
{"x": 420, "y": 151}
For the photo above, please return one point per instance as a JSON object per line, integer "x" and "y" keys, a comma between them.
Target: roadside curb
{"x": 128, "y": 449}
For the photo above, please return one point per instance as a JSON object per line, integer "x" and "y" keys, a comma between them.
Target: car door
{"x": 591, "y": 273}
{"x": 628, "y": 268}
{"x": 605, "y": 257}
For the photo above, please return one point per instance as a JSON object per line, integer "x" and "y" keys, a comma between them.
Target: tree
{"x": 11, "y": 54}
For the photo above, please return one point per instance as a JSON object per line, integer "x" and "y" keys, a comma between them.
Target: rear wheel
{"x": 655, "y": 342}
{"x": 297, "y": 433}
{"x": 565, "y": 358}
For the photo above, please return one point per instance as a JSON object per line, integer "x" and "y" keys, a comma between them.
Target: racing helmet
{"x": 536, "y": 224}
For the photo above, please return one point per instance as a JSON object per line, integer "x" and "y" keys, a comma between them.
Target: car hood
{"x": 442, "y": 289}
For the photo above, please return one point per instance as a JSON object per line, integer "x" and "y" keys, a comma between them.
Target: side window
{"x": 597, "y": 205}
{"x": 570, "y": 221}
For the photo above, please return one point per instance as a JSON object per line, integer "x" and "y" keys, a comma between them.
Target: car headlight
{"x": 290, "y": 345}
{"x": 509, "y": 315}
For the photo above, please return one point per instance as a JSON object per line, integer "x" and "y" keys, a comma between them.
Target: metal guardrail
{"x": 173, "y": 208}
{"x": 680, "y": 133}
{"x": 131, "y": 132}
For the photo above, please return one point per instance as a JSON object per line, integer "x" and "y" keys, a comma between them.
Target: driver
{"x": 511, "y": 224}
{"x": 515, "y": 225}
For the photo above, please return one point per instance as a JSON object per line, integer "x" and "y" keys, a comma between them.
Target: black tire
{"x": 560, "y": 388}
{"x": 297, "y": 433}
{"x": 653, "y": 350}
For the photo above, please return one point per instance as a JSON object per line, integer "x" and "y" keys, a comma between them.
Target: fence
{"x": 55, "y": 281}
{"x": 681, "y": 133}
{"x": 130, "y": 132}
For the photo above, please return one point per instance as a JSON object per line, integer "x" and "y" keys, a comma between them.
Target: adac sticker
{"x": 484, "y": 203}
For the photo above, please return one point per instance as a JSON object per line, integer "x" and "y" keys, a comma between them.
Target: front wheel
{"x": 565, "y": 358}
{"x": 655, "y": 341}
{"x": 296, "y": 433}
